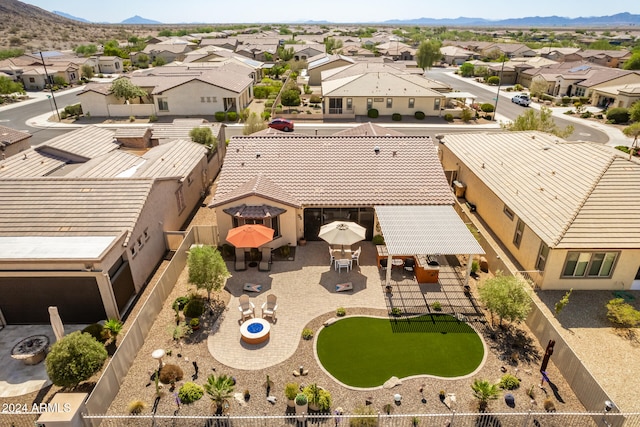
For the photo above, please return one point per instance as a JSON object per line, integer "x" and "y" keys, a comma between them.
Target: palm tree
{"x": 484, "y": 391}
{"x": 220, "y": 390}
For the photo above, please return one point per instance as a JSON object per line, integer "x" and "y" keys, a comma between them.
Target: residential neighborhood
{"x": 411, "y": 252}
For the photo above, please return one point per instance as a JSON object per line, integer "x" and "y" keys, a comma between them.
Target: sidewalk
{"x": 616, "y": 137}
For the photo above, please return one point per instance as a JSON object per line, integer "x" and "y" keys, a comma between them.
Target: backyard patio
{"x": 307, "y": 298}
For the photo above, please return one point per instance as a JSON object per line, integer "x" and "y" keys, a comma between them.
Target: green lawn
{"x": 365, "y": 351}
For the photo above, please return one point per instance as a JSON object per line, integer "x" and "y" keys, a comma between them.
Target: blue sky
{"x": 247, "y": 11}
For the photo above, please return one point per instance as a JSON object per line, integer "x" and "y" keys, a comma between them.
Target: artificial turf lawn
{"x": 366, "y": 351}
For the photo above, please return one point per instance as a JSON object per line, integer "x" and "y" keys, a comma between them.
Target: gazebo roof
{"x": 416, "y": 230}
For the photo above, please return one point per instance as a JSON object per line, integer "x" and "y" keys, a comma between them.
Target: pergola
{"x": 425, "y": 230}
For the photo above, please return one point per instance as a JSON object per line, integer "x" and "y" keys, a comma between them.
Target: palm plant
{"x": 484, "y": 391}
{"x": 220, "y": 390}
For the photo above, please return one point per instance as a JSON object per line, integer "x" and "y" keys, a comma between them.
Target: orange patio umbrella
{"x": 250, "y": 236}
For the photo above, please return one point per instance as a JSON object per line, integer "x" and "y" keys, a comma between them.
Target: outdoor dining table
{"x": 342, "y": 254}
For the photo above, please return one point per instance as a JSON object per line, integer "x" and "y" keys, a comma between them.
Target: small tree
{"x": 634, "y": 112}
{"x": 87, "y": 71}
{"x": 203, "y": 136}
{"x": 207, "y": 269}
{"x": 541, "y": 121}
{"x": 560, "y": 305}
{"x": 505, "y": 296}
{"x": 75, "y": 358}
{"x": 332, "y": 44}
{"x": 123, "y": 88}
{"x": 632, "y": 131}
{"x": 220, "y": 390}
{"x": 253, "y": 124}
{"x": 484, "y": 391}
{"x": 538, "y": 87}
{"x": 428, "y": 52}
{"x": 291, "y": 98}
{"x": 8, "y": 86}
{"x": 467, "y": 69}
{"x": 285, "y": 54}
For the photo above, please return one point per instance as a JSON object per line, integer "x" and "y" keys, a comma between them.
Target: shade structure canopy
{"x": 250, "y": 236}
{"x": 342, "y": 233}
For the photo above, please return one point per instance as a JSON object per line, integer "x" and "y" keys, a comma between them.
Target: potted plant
{"x": 247, "y": 395}
{"x": 290, "y": 392}
{"x": 111, "y": 329}
{"x": 301, "y": 404}
{"x": 441, "y": 395}
{"x": 302, "y": 241}
{"x": 194, "y": 324}
{"x": 312, "y": 391}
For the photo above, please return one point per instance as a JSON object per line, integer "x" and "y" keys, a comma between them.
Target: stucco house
{"x": 324, "y": 62}
{"x": 85, "y": 218}
{"x": 455, "y": 55}
{"x": 12, "y": 142}
{"x": 566, "y": 211}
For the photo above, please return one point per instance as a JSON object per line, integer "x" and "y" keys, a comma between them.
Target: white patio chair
{"x": 343, "y": 263}
{"x": 270, "y": 306}
{"x": 246, "y": 307}
{"x": 356, "y": 256}
{"x": 331, "y": 257}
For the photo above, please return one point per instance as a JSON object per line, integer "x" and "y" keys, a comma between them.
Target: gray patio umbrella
{"x": 342, "y": 233}
{"x": 56, "y": 323}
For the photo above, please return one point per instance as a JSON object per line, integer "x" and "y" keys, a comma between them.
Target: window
{"x": 134, "y": 252}
{"x": 349, "y": 103}
{"x": 589, "y": 264}
{"x": 369, "y": 103}
{"x": 273, "y": 222}
{"x": 508, "y": 212}
{"x": 146, "y": 234}
{"x": 72, "y": 76}
{"x": 542, "y": 257}
{"x": 517, "y": 238}
{"x": 163, "y": 105}
{"x": 436, "y": 104}
{"x": 389, "y": 102}
{"x": 208, "y": 99}
{"x": 117, "y": 64}
{"x": 32, "y": 80}
{"x": 412, "y": 102}
{"x": 190, "y": 179}
{"x": 180, "y": 200}
{"x": 202, "y": 99}
{"x": 140, "y": 242}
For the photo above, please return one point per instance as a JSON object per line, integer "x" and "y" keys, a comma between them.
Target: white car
{"x": 522, "y": 99}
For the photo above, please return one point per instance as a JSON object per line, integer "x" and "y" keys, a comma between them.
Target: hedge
{"x": 448, "y": 117}
{"x": 487, "y": 108}
{"x": 261, "y": 92}
{"x": 372, "y": 113}
{"x": 493, "y": 80}
{"x": 232, "y": 116}
{"x": 419, "y": 115}
{"x": 396, "y": 117}
{"x": 618, "y": 115}
{"x": 220, "y": 116}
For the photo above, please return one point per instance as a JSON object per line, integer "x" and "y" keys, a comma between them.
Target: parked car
{"x": 281, "y": 124}
{"x": 522, "y": 99}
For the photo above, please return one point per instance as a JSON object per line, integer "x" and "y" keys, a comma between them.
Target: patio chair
{"x": 240, "y": 261}
{"x": 331, "y": 257}
{"x": 265, "y": 263}
{"x": 409, "y": 264}
{"x": 356, "y": 256}
{"x": 270, "y": 306}
{"x": 383, "y": 264}
{"x": 246, "y": 307}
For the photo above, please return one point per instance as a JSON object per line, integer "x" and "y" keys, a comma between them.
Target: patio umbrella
{"x": 56, "y": 323}
{"x": 342, "y": 233}
{"x": 250, "y": 236}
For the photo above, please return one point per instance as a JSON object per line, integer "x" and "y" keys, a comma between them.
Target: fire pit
{"x": 255, "y": 331}
{"x": 31, "y": 350}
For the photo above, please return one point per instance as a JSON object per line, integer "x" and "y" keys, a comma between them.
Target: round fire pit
{"x": 255, "y": 331}
{"x": 31, "y": 350}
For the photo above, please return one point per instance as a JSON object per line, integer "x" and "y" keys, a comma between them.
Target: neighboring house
{"x": 303, "y": 52}
{"x": 109, "y": 64}
{"x": 354, "y": 90}
{"x": 606, "y": 58}
{"x": 84, "y": 221}
{"x": 168, "y": 52}
{"x": 230, "y": 43}
{"x": 558, "y": 54}
{"x": 36, "y": 78}
{"x": 295, "y": 184}
{"x": 396, "y": 50}
{"x": 258, "y": 52}
{"x": 566, "y": 211}
{"x": 213, "y": 56}
{"x": 617, "y": 95}
{"x": 454, "y": 55}
{"x": 317, "y": 65}
{"x": 510, "y": 50}
{"x": 354, "y": 49}
{"x": 12, "y": 142}
{"x": 176, "y": 90}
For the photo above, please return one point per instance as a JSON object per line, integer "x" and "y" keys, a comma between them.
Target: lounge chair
{"x": 265, "y": 263}
{"x": 270, "y": 306}
{"x": 240, "y": 261}
{"x": 246, "y": 307}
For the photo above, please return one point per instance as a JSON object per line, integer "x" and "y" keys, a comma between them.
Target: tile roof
{"x": 31, "y": 163}
{"x": 180, "y": 129}
{"x": 177, "y": 159}
{"x": 86, "y": 143}
{"x": 380, "y": 84}
{"x": 10, "y": 136}
{"x": 558, "y": 188}
{"x": 368, "y": 129}
{"x": 339, "y": 170}
{"x": 258, "y": 185}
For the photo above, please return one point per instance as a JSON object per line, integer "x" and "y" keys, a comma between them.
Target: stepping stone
{"x": 341, "y": 287}
{"x": 252, "y": 287}
{"x": 392, "y": 382}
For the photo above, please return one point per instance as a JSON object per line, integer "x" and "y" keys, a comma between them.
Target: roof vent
{"x": 242, "y": 164}
{"x": 376, "y": 149}
{"x": 546, "y": 147}
{"x": 258, "y": 155}
{"x": 394, "y": 153}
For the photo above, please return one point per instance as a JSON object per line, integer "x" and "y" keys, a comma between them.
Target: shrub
{"x": 170, "y": 373}
{"x": 618, "y": 115}
{"x": 467, "y": 114}
{"x": 315, "y": 99}
{"x": 96, "y": 330}
{"x": 566, "y": 100}
{"x": 419, "y": 115}
{"x": 548, "y": 405}
{"x": 475, "y": 266}
{"x": 63, "y": 115}
{"x": 261, "y": 92}
{"x": 518, "y": 87}
{"x": 586, "y": 115}
{"x": 291, "y": 98}
{"x": 448, "y": 117}
{"x": 190, "y": 392}
{"x": 194, "y": 323}
{"x": 622, "y": 313}
{"x": 487, "y": 108}
{"x": 220, "y": 116}
{"x": 307, "y": 334}
{"x": 395, "y": 311}
{"x": 569, "y": 112}
{"x": 179, "y": 303}
{"x": 291, "y": 390}
{"x": 111, "y": 329}
{"x": 268, "y": 104}
{"x": 74, "y": 358}
{"x": 509, "y": 89}
{"x": 367, "y": 417}
{"x": 340, "y": 312}
{"x": 285, "y": 251}
{"x": 136, "y": 406}
{"x": 373, "y": 113}
{"x": 132, "y": 119}
{"x": 509, "y": 382}
{"x": 194, "y": 308}
{"x": 265, "y": 115}
{"x": 152, "y": 118}
{"x": 73, "y": 110}
{"x": 436, "y": 306}
{"x": 301, "y": 399}
{"x": 378, "y": 239}
{"x": 232, "y": 116}
{"x": 493, "y": 80}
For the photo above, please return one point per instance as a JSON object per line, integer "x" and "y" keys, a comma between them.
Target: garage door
{"x": 25, "y": 300}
